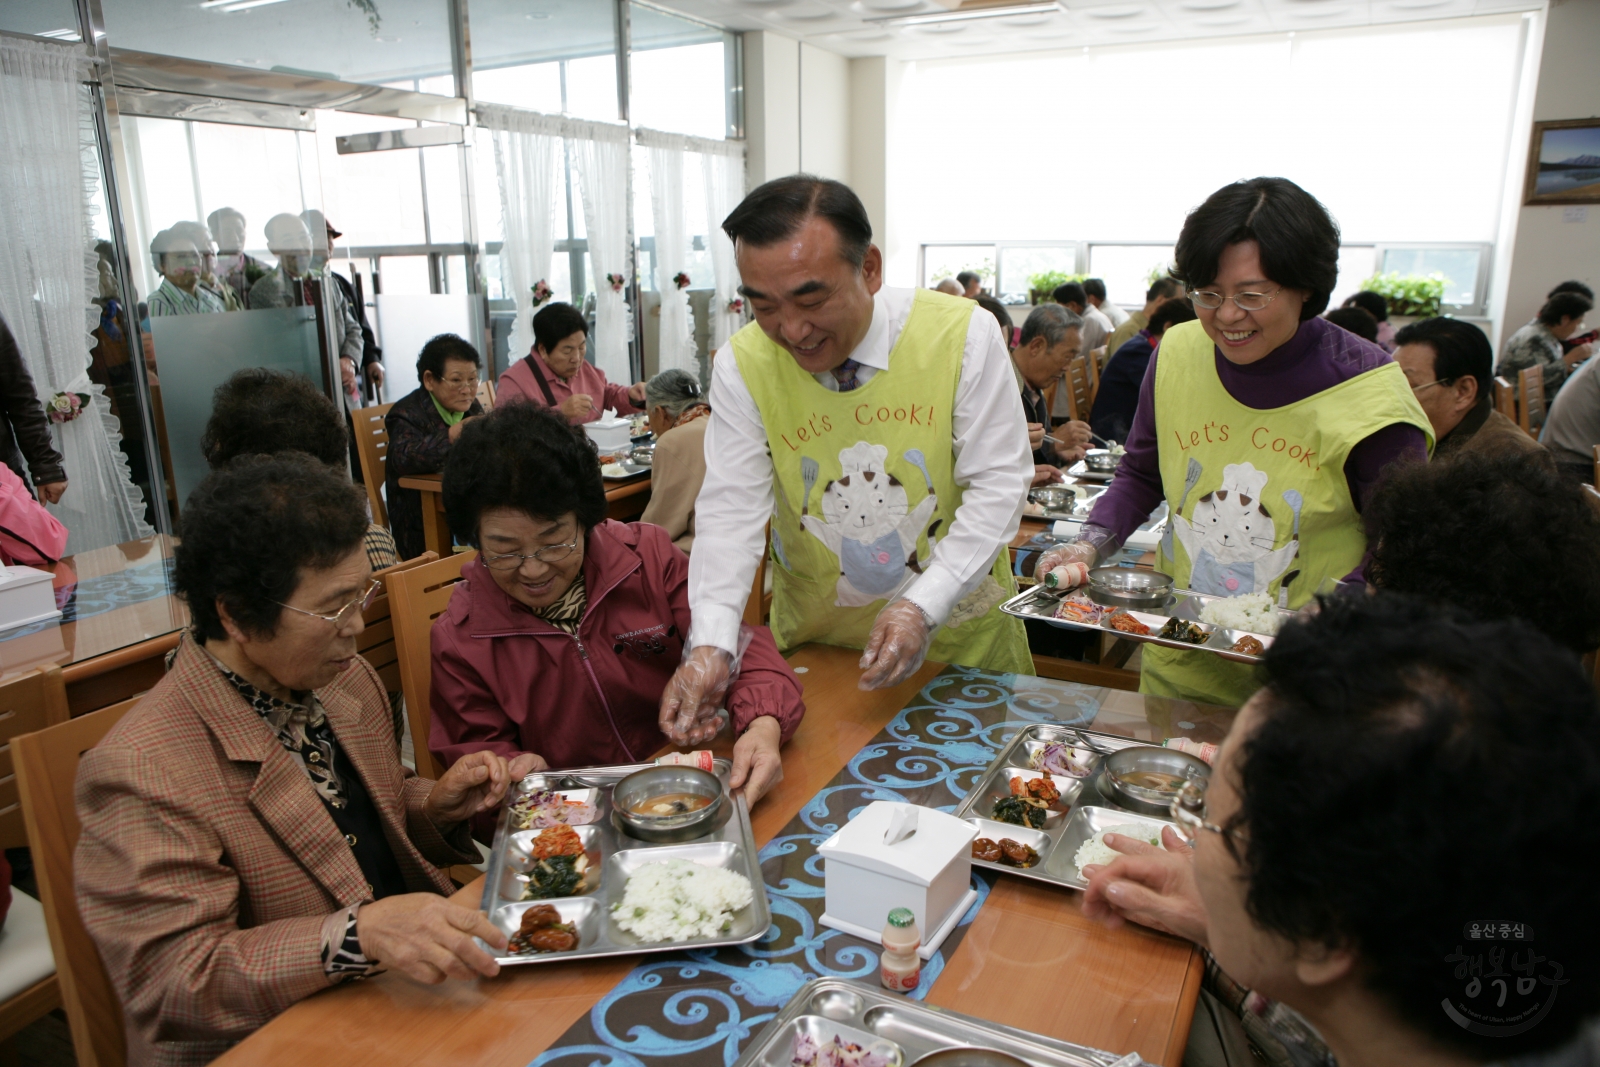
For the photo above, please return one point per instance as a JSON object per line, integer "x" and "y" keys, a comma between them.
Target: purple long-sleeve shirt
{"x": 1319, "y": 356}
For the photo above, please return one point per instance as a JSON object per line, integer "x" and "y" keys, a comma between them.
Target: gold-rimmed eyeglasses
{"x": 511, "y": 561}
{"x": 342, "y": 618}
{"x": 1430, "y": 385}
{"x": 1243, "y": 301}
{"x": 1188, "y": 811}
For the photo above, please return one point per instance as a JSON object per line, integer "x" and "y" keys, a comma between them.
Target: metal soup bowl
{"x": 1102, "y": 459}
{"x": 1114, "y": 786}
{"x": 1052, "y": 497}
{"x": 644, "y": 455}
{"x": 653, "y": 782}
{"x": 1123, "y": 587}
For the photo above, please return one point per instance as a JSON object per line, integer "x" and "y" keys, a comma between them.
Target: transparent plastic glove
{"x": 691, "y": 705}
{"x": 1078, "y": 552}
{"x": 896, "y": 646}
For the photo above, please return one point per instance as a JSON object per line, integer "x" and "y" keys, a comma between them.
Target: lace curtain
{"x": 600, "y": 156}
{"x": 677, "y": 348}
{"x": 48, "y": 175}
{"x": 724, "y": 187}
{"x": 527, "y": 149}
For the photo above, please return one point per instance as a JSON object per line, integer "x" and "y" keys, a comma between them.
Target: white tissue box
{"x": 26, "y": 596}
{"x": 609, "y": 433}
{"x": 929, "y": 872}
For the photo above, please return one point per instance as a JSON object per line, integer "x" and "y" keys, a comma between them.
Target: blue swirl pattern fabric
{"x": 698, "y": 1009}
{"x": 106, "y": 592}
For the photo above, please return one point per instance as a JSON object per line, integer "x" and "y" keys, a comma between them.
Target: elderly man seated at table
{"x": 1118, "y": 396}
{"x": 1404, "y": 773}
{"x": 423, "y": 425}
{"x": 250, "y": 836}
{"x": 1450, "y": 365}
{"x": 1050, "y": 339}
{"x": 562, "y": 635}
{"x": 678, "y": 411}
{"x": 557, "y": 374}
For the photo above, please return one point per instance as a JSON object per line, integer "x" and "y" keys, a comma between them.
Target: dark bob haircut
{"x": 1414, "y": 771}
{"x": 442, "y": 348}
{"x": 250, "y": 528}
{"x": 1566, "y": 305}
{"x": 1299, "y": 240}
{"x": 777, "y": 209}
{"x": 1169, "y": 315}
{"x": 526, "y": 457}
{"x": 1070, "y": 293}
{"x": 555, "y": 323}
{"x": 1355, "y": 320}
{"x": 1573, "y": 286}
{"x": 262, "y": 412}
{"x": 1460, "y": 349}
{"x": 1374, "y": 304}
{"x": 1428, "y": 538}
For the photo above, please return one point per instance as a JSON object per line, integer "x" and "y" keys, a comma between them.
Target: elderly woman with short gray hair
{"x": 678, "y": 410}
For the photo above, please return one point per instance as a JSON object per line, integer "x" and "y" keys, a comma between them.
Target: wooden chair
{"x": 30, "y": 702}
{"x": 376, "y": 642}
{"x": 372, "y": 445}
{"x": 1530, "y": 401}
{"x": 47, "y": 764}
{"x": 417, "y": 597}
{"x": 486, "y": 394}
{"x": 756, "y": 607}
{"x": 1505, "y": 398}
{"x": 1078, "y": 387}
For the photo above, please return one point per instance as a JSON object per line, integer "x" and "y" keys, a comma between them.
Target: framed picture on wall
{"x": 1564, "y": 163}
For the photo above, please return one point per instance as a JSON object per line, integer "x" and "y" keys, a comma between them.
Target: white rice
{"x": 675, "y": 900}
{"x": 1252, "y": 611}
{"x": 1095, "y": 850}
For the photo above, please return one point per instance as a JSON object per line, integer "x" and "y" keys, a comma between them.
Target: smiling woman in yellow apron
{"x": 1263, "y": 427}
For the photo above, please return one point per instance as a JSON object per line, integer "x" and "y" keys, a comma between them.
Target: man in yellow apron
{"x": 881, "y": 431}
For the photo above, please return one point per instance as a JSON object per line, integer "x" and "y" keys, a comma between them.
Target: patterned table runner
{"x": 699, "y": 1008}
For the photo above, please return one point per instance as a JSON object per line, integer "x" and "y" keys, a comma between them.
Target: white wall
{"x": 824, "y": 113}
{"x": 1551, "y": 245}
{"x": 771, "y": 106}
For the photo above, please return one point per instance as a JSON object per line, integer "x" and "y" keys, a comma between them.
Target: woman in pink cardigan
{"x": 556, "y": 374}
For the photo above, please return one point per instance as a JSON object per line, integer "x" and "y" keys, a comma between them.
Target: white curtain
{"x": 724, "y": 182}
{"x": 600, "y": 156}
{"x": 677, "y": 349}
{"x": 527, "y": 153}
{"x": 48, "y": 175}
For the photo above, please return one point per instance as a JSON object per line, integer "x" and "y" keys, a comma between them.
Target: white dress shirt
{"x": 1114, "y": 314}
{"x": 993, "y": 465}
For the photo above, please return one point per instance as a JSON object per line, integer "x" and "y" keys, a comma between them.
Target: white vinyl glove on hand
{"x": 896, "y": 646}
{"x": 1071, "y": 562}
{"x": 691, "y": 705}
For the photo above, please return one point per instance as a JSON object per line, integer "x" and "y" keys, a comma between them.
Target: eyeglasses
{"x": 460, "y": 383}
{"x": 511, "y": 561}
{"x": 342, "y": 618}
{"x": 1429, "y": 385}
{"x": 1188, "y": 811}
{"x": 1244, "y": 301}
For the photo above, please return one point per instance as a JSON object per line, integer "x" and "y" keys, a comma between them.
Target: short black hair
{"x": 1299, "y": 240}
{"x": 1001, "y": 316}
{"x": 1094, "y": 287}
{"x": 1572, "y": 286}
{"x": 1460, "y": 349}
{"x": 1169, "y": 315}
{"x": 526, "y": 457}
{"x": 442, "y": 348}
{"x": 776, "y": 209}
{"x": 966, "y": 278}
{"x": 1070, "y": 293}
{"x": 1567, "y": 305}
{"x": 1164, "y": 288}
{"x": 249, "y": 529}
{"x": 555, "y": 323}
{"x": 1444, "y": 531}
{"x": 1374, "y": 304}
{"x": 260, "y": 411}
{"x": 1413, "y": 771}
{"x": 1356, "y": 320}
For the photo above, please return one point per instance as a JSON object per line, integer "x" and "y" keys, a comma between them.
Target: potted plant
{"x": 1416, "y": 296}
{"x": 1046, "y": 282}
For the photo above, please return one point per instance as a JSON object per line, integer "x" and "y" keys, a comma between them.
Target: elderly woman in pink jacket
{"x": 557, "y": 374}
{"x": 562, "y": 635}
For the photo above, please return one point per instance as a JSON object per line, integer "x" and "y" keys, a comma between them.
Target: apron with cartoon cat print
{"x": 864, "y": 487}
{"x": 1258, "y": 498}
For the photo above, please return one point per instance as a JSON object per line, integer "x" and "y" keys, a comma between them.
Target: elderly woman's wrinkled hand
{"x": 476, "y": 783}
{"x": 525, "y": 764}
{"x": 427, "y": 937}
{"x": 1149, "y": 886}
{"x": 757, "y": 766}
{"x": 692, "y": 701}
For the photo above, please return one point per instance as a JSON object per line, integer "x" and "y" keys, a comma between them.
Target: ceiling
{"x": 851, "y": 27}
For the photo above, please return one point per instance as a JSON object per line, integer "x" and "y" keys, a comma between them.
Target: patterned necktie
{"x": 845, "y": 375}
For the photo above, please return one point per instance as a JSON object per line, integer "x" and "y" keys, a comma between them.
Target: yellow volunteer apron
{"x": 864, "y": 488}
{"x": 1258, "y": 499}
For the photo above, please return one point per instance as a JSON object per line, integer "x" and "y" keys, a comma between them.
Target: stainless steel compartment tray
{"x": 903, "y": 1030}
{"x": 1081, "y": 804}
{"x": 613, "y": 856}
{"x": 1039, "y": 602}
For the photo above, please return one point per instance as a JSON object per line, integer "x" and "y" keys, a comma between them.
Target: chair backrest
{"x": 376, "y": 643}
{"x": 486, "y": 394}
{"x": 755, "y": 608}
{"x": 372, "y": 445}
{"x": 28, "y": 702}
{"x": 1505, "y": 398}
{"x": 47, "y": 765}
{"x": 1530, "y": 394}
{"x": 417, "y": 597}
{"x": 1078, "y": 386}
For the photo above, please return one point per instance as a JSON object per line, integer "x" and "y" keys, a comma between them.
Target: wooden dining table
{"x": 625, "y": 502}
{"x": 1031, "y": 958}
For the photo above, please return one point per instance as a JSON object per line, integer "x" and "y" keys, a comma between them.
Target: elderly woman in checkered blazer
{"x": 249, "y": 833}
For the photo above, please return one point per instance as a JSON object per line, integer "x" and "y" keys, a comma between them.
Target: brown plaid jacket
{"x": 207, "y": 865}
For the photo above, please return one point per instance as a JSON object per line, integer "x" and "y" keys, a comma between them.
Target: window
{"x": 1128, "y": 270}
{"x": 1464, "y": 267}
{"x": 678, "y": 71}
{"x": 555, "y": 58}
{"x": 41, "y": 18}
{"x": 1018, "y": 263}
{"x": 946, "y": 261}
